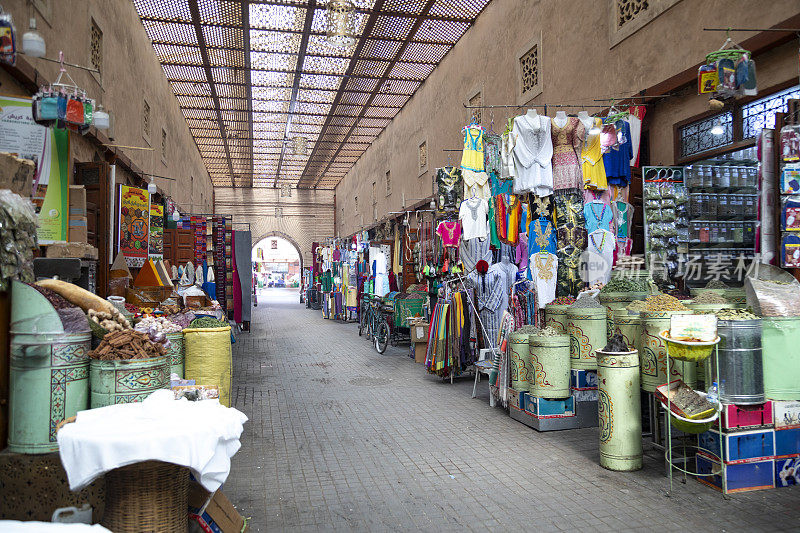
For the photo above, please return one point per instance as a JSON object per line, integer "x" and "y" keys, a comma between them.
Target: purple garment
{"x": 522, "y": 252}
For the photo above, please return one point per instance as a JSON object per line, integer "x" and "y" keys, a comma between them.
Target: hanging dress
{"x": 594, "y": 172}
{"x": 598, "y": 216}
{"x": 533, "y": 155}
{"x": 476, "y": 184}
{"x": 449, "y": 188}
{"x": 544, "y": 273}
{"x": 566, "y": 142}
{"x": 492, "y": 145}
{"x": 472, "y": 157}
{"x": 508, "y": 211}
{"x": 617, "y": 160}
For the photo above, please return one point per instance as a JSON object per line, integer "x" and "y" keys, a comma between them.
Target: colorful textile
{"x": 594, "y": 172}
{"x": 472, "y": 157}
{"x": 566, "y": 142}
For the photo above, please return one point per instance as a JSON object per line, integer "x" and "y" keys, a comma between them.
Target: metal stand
{"x": 670, "y": 461}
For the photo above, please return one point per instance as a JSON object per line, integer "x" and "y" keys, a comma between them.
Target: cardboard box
{"x": 207, "y": 513}
{"x": 585, "y": 395}
{"x": 787, "y": 442}
{"x": 77, "y": 201}
{"x": 419, "y": 331}
{"x": 787, "y": 472}
{"x": 16, "y": 174}
{"x": 740, "y": 477}
{"x": 747, "y": 416}
{"x": 420, "y": 352}
{"x": 62, "y": 250}
{"x": 516, "y": 399}
{"x": 78, "y": 229}
{"x": 786, "y": 414}
{"x": 583, "y": 379}
{"x": 541, "y": 407}
{"x": 743, "y": 446}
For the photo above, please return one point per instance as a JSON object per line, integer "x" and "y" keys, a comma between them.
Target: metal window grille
{"x": 760, "y": 114}
{"x": 696, "y": 137}
{"x": 164, "y": 145}
{"x": 388, "y": 183}
{"x": 423, "y": 156}
{"x": 529, "y": 64}
{"x": 627, "y": 10}
{"x": 476, "y": 100}
{"x": 96, "y": 47}
{"x": 146, "y": 119}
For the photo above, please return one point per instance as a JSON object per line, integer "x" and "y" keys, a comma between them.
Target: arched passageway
{"x": 277, "y": 269}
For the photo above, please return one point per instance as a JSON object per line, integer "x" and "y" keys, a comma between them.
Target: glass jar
{"x": 723, "y": 177}
{"x": 723, "y": 208}
{"x": 710, "y": 205}
{"x": 704, "y": 232}
{"x": 694, "y": 231}
{"x": 690, "y": 176}
{"x": 749, "y": 237}
{"x": 752, "y": 177}
{"x": 723, "y": 231}
{"x": 708, "y": 176}
{"x": 737, "y": 232}
{"x": 736, "y": 176}
{"x": 695, "y": 205}
{"x": 713, "y": 232}
{"x": 737, "y": 206}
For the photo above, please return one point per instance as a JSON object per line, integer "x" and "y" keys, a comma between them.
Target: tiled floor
{"x": 342, "y": 438}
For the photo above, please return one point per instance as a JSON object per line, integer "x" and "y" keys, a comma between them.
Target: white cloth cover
{"x": 15, "y": 526}
{"x": 533, "y": 154}
{"x": 202, "y": 436}
{"x": 474, "y": 228}
{"x": 198, "y": 276}
{"x": 210, "y": 275}
{"x": 187, "y": 278}
{"x": 174, "y": 272}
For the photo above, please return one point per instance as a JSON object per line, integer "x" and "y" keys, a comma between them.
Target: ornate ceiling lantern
{"x": 341, "y": 23}
{"x": 300, "y": 146}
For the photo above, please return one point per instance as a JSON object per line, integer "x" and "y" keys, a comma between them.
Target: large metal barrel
{"x": 653, "y": 354}
{"x": 549, "y": 366}
{"x": 518, "y": 353}
{"x": 587, "y": 332}
{"x": 176, "y": 354}
{"x": 627, "y": 325}
{"x": 741, "y": 380}
{"x": 49, "y": 381}
{"x": 781, "y": 356}
{"x": 614, "y": 301}
{"x": 619, "y": 410}
{"x": 130, "y": 381}
{"x": 555, "y": 316}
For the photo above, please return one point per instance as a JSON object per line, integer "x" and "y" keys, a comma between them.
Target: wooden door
{"x": 95, "y": 177}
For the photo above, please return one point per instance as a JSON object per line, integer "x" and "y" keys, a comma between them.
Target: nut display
{"x": 663, "y": 302}
{"x": 735, "y": 314}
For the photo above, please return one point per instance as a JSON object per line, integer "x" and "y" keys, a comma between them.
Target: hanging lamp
{"x": 341, "y": 22}
{"x": 32, "y": 41}
{"x": 300, "y": 146}
{"x": 151, "y": 187}
{"x": 717, "y": 128}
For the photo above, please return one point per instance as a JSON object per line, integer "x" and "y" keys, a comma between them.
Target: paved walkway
{"x": 342, "y": 438}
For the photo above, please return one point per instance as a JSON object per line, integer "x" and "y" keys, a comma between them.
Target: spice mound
{"x": 586, "y": 302}
{"x": 563, "y": 300}
{"x": 716, "y": 284}
{"x": 127, "y": 344}
{"x": 616, "y": 344}
{"x": 663, "y": 302}
{"x": 735, "y": 314}
{"x": 637, "y": 306}
{"x": 207, "y": 322}
{"x": 710, "y": 298}
{"x": 625, "y": 284}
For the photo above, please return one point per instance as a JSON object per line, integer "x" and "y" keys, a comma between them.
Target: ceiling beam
{"x": 368, "y": 27}
{"x": 195, "y": 11}
{"x": 247, "y": 180}
{"x": 293, "y": 32}
{"x": 298, "y": 70}
{"x": 308, "y": 73}
{"x": 428, "y": 5}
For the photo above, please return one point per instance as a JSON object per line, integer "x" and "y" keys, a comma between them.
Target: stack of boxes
{"x": 419, "y": 338}
{"x": 759, "y": 447}
{"x": 579, "y": 410}
{"x": 78, "y": 229}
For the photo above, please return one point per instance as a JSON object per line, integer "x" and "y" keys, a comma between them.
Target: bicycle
{"x": 368, "y": 321}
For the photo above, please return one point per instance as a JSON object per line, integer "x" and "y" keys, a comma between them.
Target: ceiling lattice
{"x": 251, "y": 75}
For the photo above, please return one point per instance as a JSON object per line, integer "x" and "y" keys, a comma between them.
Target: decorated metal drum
{"x": 518, "y": 353}
{"x": 130, "y": 381}
{"x": 49, "y": 381}
{"x": 780, "y": 342}
{"x": 614, "y": 301}
{"x": 627, "y": 325}
{"x": 587, "y": 333}
{"x": 619, "y": 410}
{"x": 555, "y": 316}
{"x": 653, "y": 353}
{"x": 175, "y": 354}
{"x": 549, "y": 366}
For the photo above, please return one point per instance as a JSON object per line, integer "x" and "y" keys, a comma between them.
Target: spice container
{"x": 713, "y": 232}
{"x": 737, "y": 232}
{"x": 691, "y": 177}
{"x": 707, "y": 176}
{"x": 752, "y": 177}
{"x": 736, "y": 176}
{"x": 737, "y": 207}
{"x": 723, "y": 235}
{"x": 723, "y": 177}
{"x": 710, "y": 205}
{"x": 696, "y": 204}
{"x": 723, "y": 206}
{"x": 705, "y": 232}
{"x": 749, "y": 206}
{"x": 694, "y": 231}
{"x": 749, "y": 238}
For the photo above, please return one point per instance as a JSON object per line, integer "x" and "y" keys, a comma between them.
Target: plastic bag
{"x": 651, "y": 191}
{"x": 773, "y": 297}
{"x": 18, "y": 222}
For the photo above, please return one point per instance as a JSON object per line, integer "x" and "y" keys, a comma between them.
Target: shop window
{"x": 696, "y": 137}
{"x": 529, "y": 78}
{"x": 760, "y": 114}
{"x": 388, "y": 183}
{"x": 164, "y": 146}
{"x": 374, "y": 202}
{"x": 146, "y": 120}
{"x": 422, "y": 157}
{"x": 96, "y": 47}
{"x": 356, "y": 203}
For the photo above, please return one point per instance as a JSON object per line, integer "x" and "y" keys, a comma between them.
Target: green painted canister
{"x": 619, "y": 410}
{"x": 555, "y": 316}
{"x": 587, "y": 333}
{"x": 176, "y": 354}
{"x": 128, "y": 381}
{"x": 780, "y": 341}
{"x": 518, "y": 352}
{"x": 49, "y": 381}
{"x": 614, "y": 301}
{"x": 549, "y": 368}
{"x": 627, "y": 325}
{"x": 653, "y": 353}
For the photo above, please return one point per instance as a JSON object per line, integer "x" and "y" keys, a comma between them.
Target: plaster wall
{"x": 130, "y": 74}
{"x": 580, "y": 59}
{"x": 307, "y": 215}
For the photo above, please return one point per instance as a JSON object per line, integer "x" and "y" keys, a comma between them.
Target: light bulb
{"x": 151, "y": 187}
{"x": 176, "y": 216}
{"x": 717, "y": 128}
{"x": 32, "y": 42}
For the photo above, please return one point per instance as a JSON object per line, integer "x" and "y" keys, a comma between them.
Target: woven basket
{"x": 147, "y": 496}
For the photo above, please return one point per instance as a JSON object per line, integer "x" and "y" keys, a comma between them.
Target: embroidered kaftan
{"x": 566, "y": 144}
{"x": 533, "y": 154}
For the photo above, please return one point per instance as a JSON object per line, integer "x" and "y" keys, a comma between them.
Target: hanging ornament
{"x": 300, "y": 146}
{"x": 341, "y": 23}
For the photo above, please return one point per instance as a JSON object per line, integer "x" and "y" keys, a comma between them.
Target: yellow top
{"x": 472, "y": 158}
{"x": 594, "y": 172}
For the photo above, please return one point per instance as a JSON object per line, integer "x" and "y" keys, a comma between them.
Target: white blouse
{"x": 472, "y": 214}
{"x": 533, "y": 153}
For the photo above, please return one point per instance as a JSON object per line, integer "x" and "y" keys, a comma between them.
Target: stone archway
{"x": 285, "y": 237}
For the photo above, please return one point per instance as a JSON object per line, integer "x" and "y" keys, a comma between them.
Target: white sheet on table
{"x": 15, "y": 526}
{"x": 201, "y": 436}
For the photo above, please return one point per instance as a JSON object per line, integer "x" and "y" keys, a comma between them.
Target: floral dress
{"x": 567, "y": 173}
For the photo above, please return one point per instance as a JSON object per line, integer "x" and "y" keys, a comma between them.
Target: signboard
{"x": 49, "y": 149}
{"x": 156, "y": 245}
{"x": 133, "y": 221}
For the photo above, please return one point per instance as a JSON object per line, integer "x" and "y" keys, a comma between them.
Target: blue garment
{"x": 540, "y": 240}
{"x": 598, "y": 216}
{"x": 617, "y": 161}
{"x": 500, "y": 186}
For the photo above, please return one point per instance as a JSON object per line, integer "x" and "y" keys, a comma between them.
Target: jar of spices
{"x": 737, "y": 235}
{"x": 751, "y": 178}
{"x": 723, "y": 177}
{"x": 713, "y": 232}
{"x": 708, "y": 176}
{"x": 691, "y": 176}
{"x": 723, "y": 210}
{"x": 705, "y": 232}
{"x": 724, "y": 233}
{"x": 696, "y": 205}
{"x": 710, "y": 205}
{"x": 694, "y": 231}
{"x": 750, "y": 206}
{"x": 749, "y": 238}
{"x": 736, "y": 173}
